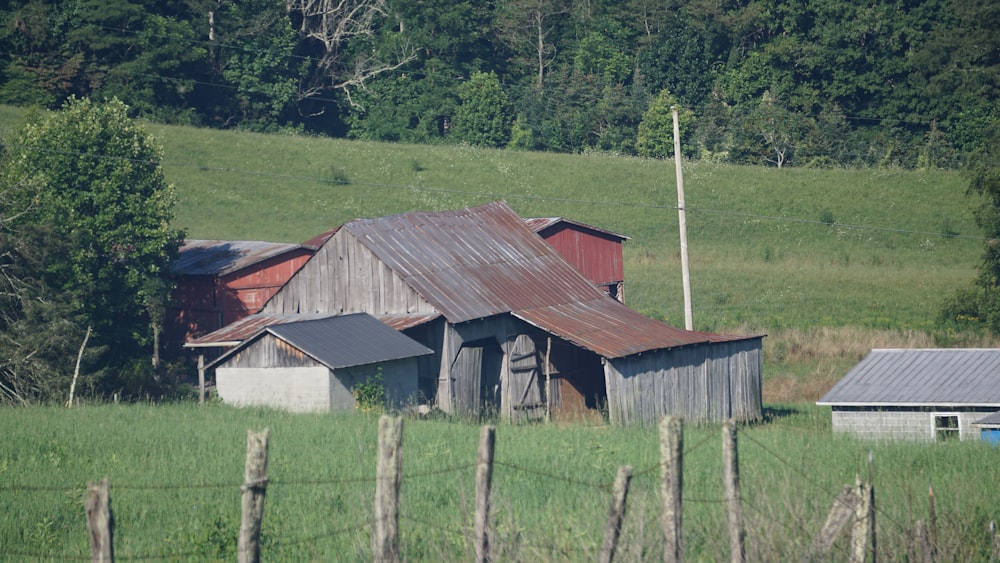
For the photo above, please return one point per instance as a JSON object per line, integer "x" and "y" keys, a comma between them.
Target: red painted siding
{"x": 207, "y": 303}
{"x": 596, "y": 255}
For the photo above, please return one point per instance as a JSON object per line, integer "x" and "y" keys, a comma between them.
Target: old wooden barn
{"x": 314, "y": 364}
{"x": 917, "y": 394}
{"x": 516, "y": 328}
{"x": 222, "y": 281}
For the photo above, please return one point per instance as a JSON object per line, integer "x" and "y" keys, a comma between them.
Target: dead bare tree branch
{"x": 332, "y": 24}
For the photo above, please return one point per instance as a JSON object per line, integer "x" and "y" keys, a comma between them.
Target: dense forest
{"x": 801, "y": 82}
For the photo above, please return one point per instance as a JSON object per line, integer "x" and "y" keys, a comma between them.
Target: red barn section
{"x": 219, "y": 282}
{"x": 595, "y": 252}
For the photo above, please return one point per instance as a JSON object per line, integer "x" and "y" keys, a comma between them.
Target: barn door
{"x": 526, "y": 389}
{"x": 476, "y": 371}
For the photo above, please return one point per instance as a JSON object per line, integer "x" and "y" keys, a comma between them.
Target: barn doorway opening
{"x": 477, "y": 376}
{"x": 582, "y": 394}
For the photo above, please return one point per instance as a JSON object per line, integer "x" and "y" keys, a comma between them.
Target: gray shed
{"x": 312, "y": 365}
{"x": 917, "y": 394}
{"x": 515, "y": 327}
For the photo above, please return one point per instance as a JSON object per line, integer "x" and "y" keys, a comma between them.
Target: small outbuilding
{"x": 989, "y": 428}
{"x": 917, "y": 394}
{"x": 313, "y": 365}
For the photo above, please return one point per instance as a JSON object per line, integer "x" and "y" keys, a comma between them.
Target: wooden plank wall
{"x": 269, "y": 352}
{"x": 708, "y": 382}
{"x": 344, "y": 276}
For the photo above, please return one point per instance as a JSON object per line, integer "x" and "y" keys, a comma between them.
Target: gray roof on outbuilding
{"x": 921, "y": 377}
{"x": 991, "y": 420}
{"x": 341, "y": 341}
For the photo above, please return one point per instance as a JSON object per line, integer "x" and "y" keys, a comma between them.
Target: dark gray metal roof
{"x": 236, "y": 332}
{"x": 218, "y": 257}
{"x": 921, "y": 377}
{"x": 483, "y": 261}
{"x": 539, "y": 224}
{"x": 342, "y": 341}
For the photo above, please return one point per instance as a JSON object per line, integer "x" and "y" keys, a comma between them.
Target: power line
{"x": 509, "y": 196}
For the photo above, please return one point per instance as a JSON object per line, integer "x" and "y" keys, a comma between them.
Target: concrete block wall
{"x": 900, "y": 425}
{"x": 884, "y": 425}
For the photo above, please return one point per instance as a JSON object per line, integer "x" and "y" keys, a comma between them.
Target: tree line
{"x": 802, "y": 82}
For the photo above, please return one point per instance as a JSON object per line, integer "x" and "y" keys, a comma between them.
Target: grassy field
{"x": 175, "y": 473}
{"x": 827, "y": 263}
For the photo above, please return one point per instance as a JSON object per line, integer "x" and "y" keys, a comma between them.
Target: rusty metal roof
{"x": 219, "y": 257}
{"x": 245, "y": 328}
{"x": 610, "y": 329}
{"x": 483, "y": 261}
{"x": 539, "y": 224}
{"x": 319, "y": 240}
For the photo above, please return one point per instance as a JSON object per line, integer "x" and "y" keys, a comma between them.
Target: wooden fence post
{"x": 731, "y": 476}
{"x": 671, "y": 458}
{"x": 100, "y": 522}
{"x": 871, "y": 505}
{"x": 844, "y": 507}
{"x": 612, "y": 530}
{"x": 994, "y": 542}
{"x": 484, "y": 477}
{"x": 385, "y": 539}
{"x": 923, "y": 544}
{"x": 933, "y": 522}
{"x": 862, "y": 517}
{"x": 253, "y": 489}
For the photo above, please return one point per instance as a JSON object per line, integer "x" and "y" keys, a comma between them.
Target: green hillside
{"x": 868, "y": 253}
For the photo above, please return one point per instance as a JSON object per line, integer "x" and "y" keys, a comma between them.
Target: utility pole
{"x": 685, "y": 273}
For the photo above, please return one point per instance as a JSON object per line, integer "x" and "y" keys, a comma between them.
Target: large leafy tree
{"x": 980, "y": 304}
{"x": 484, "y": 117}
{"x": 87, "y": 230}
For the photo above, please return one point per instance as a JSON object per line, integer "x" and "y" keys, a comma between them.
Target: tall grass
{"x": 175, "y": 473}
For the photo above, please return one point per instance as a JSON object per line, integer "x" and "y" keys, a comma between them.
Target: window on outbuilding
{"x": 946, "y": 427}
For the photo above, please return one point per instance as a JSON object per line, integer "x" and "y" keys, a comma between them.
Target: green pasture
{"x": 175, "y": 473}
{"x": 769, "y": 249}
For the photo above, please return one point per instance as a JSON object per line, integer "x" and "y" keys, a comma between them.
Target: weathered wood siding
{"x": 700, "y": 383}
{"x": 487, "y": 364}
{"x": 345, "y": 277}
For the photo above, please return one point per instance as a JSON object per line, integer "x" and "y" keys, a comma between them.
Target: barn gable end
{"x": 344, "y": 276}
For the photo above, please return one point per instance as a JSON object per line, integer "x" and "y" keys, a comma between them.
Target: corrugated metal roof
{"x": 243, "y": 329}
{"x": 483, "y": 261}
{"x": 348, "y": 340}
{"x": 610, "y": 329}
{"x": 339, "y": 341}
{"x": 921, "y": 377}
{"x": 539, "y": 224}
{"x": 238, "y": 331}
{"x": 218, "y": 257}
{"x": 319, "y": 240}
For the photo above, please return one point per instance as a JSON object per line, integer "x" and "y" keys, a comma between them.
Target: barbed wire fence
{"x": 484, "y": 536}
